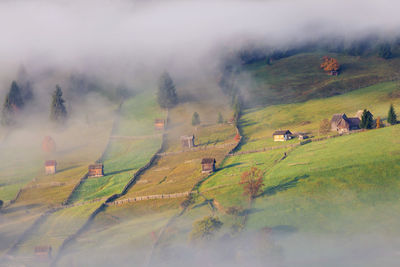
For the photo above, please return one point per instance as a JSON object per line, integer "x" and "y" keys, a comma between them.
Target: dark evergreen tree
{"x": 195, "y": 119}
{"x": 25, "y": 84}
{"x": 392, "y": 117}
{"x": 385, "y": 51}
{"x": 220, "y": 118}
{"x": 58, "y": 112}
{"x": 12, "y": 104}
{"x": 367, "y": 120}
{"x": 167, "y": 97}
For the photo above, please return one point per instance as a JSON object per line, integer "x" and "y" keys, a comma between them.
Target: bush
{"x": 205, "y": 228}
{"x": 234, "y": 211}
{"x": 195, "y": 119}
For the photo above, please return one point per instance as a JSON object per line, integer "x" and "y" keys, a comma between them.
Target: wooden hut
{"x": 187, "y": 141}
{"x": 50, "y": 166}
{"x": 43, "y": 252}
{"x": 342, "y": 124}
{"x": 282, "y": 135}
{"x": 334, "y": 73}
{"x": 96, "y": 170}
{"x": 159, "y": 124}
{"x": 207, "y": 165}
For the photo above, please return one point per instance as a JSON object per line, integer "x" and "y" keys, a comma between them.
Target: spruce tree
{"x": 58, "y": 112}
{"x": 12, "y": 104}
{"x": 367, "y": 120}
{"x": 385, "y": 51}
{"x": 392, "y": 117}
{"x": 195, "y": 119}
{"x": 167, "y": 97}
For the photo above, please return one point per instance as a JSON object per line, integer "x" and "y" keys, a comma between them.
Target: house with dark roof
{"x": 159, "y": 124}
{"x": 282, "y": 135}
{"x": 343, "y": 124}
{"x": 207, "y": 165}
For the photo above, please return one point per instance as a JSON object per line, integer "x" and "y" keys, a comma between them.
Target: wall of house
{"x": 279, "y": 138}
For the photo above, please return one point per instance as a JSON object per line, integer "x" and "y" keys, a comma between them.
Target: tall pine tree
{"x": 392, "y": 117}
{"x": 195, "y": 119}
{"x": 367, "y": 120}
{"x": 12, "y": 104}
{"x": 167, "y": 97}
{"x": 58, "y": 112}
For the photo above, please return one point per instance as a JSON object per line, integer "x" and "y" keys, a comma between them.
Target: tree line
{"x": 17, "y": 97}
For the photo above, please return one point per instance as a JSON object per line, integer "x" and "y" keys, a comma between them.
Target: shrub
{"x": 252, "y": 182}
{"x": 205, "y": 228}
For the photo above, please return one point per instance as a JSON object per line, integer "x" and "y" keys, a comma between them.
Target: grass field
{"x": 125, "y": 156}
{"x": 259, "y": 124}
{"x": 299, "y": 77}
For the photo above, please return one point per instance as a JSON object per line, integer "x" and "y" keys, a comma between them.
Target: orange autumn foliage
{"x": 330, "y": 64}
{"x": 252, "y": 182}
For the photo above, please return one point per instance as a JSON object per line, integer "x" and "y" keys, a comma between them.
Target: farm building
{"x": 334, "y": 73}
{"x": 159, "y": 124}
{"x": 282, "y": 135}
{"x": 342, "y": 124}
{"x": 96, "y": 170}
{"x": 187, "y": 141}
{"x": 50, "y": 166}
{"x": 208, "y": 165}
{"x": 43, "y": 252}
{"x": 303, "y": 136}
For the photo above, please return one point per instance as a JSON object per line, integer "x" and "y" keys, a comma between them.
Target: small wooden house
{"x": 334, "y": 73}
{"x": 96, "y": 170}
{"x": 282, "y": 135}
{"x": 187, "y": 141}
{"x": 303, "y": 136}
{"x": 159, "y": 124}
{"x": 43, "y": 252}
{"x": 208, "y": 165}
{"x": 50, "y": 166}
{"x": 342, "y": 124}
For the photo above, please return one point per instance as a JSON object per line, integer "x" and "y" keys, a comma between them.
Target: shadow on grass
{"x": 283, "y": 185}
{"x": 14, "y": 209}
{"x": 230, "y": 166}
{"x": 68, "y": 168}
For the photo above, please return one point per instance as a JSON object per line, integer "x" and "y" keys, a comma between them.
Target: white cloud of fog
{"x": 107, "y": 35}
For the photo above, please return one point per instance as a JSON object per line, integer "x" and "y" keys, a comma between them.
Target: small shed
{"x": 303, "y": 136}
{"x": 282, "y": 135}
{"x": 50, "y": 166}
{"x": 334, "y": 73}
{"x": 187, "y": 141}
{"x": 96, "y": 170}
{"x": 159, "y": 124}
{"x": 43, "y": 252}
{"x": 342, "y": 124}
{"x": 208, "y": 165}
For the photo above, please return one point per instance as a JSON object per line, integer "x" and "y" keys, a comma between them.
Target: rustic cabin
{"x": 159, "y": 124}
{"x": 208, "y": 165}
{"x": 96, "y": 170}
{"x": 187, "y": 141}
{"x": 50, "y": 166}
{"x": 334, "y": 73}
{"x": 43, "y": 252}
{"x": 342, "y": 124}
{"x": 282, "y": 135}
{"x": 303, "y": 136}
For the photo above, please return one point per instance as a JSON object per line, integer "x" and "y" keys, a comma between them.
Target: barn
{"x": 50, "y": 166}
{"x": 342, "y": 124}
{"x": 96, "y": 170}
{"x": 282, "y": 135}
{"x": 187, "y": 141}
{"x": 208, "y": 165}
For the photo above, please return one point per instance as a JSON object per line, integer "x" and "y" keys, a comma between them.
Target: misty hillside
{"x": 143, "y": 134}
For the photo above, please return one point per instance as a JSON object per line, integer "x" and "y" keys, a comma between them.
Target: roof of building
{"x": 281, "y": 132}
{"x": 49, "y": 163}
{"x": 353, "y": 122}
{"x": 207, "y": 161}
{"x": 96, "y": 166}
{"x": 336, "y": 118}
